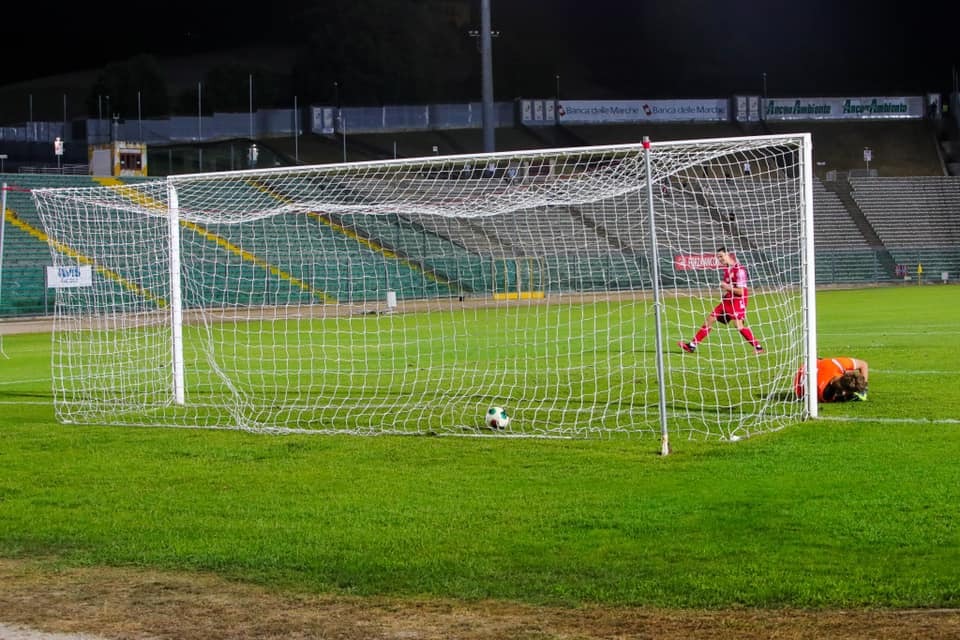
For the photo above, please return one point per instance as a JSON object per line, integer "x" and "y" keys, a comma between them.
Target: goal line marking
{"x": 892, "y": 420}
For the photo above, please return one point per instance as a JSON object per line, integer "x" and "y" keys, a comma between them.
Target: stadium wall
{"x": 329, "y": 120}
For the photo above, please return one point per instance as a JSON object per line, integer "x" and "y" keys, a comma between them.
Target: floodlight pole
{"x": 763, "y": 103}
{"x": 199, "y": 126}
{"x": 296, "y": 132}
{"x": 486, "y": 63}
{"x": 341, "y": 121}
{"x": 556, "y": 101}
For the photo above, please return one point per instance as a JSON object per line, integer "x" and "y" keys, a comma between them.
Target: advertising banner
{"x": 640, "y": 111}
{"x": 746, "y": 108}
{"x": 67, "y": 277}
{"x": 323, "y": 120}
{"x": 696, "y": 261}
{"x": 859, "y": 108}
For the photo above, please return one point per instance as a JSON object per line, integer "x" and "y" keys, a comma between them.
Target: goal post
{"x": 409, "y": 296}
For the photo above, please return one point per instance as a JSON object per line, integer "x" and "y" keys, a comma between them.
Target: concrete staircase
{"x": 841, "y": 188}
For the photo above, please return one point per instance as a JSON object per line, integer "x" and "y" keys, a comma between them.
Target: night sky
{"x": 654, "y": 48}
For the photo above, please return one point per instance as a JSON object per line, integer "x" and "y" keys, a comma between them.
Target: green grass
{"x": 858, "y": 509}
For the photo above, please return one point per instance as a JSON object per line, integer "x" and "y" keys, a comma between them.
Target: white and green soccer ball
{"x": 496, "y": 418}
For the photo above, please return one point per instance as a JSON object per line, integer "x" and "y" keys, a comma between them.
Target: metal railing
{"x": 66, "y": 169}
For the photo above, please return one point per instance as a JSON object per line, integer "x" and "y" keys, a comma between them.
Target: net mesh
{"x": 410, "y": 296}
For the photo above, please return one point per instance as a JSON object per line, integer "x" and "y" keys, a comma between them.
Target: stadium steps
{"x": 451, "y": 142}
{"x": 366, "y": 146}
{"x": 833, "y": 226}
{"x": 557, "y": 136}
{"x": 570, "y": 137}
{"x": 536, "y": 133}
{"x": 26, "y": 252}
{"x": 916, "y": 216}
{"x": 843, "y": 191}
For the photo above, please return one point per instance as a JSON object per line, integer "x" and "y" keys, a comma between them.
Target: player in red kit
{"x": 733, "y": 304}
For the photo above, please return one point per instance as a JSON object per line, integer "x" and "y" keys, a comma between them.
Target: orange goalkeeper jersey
{"x": 827, "y": 370}
{"x": 830, "y": 368}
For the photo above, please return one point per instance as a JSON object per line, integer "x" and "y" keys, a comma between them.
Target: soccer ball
{"x": 496, "y": 418}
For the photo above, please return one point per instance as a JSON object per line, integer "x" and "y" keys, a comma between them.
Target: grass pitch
{"x": 860, "y": 508}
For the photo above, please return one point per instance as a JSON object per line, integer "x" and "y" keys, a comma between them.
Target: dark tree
{"x": 134, "y": 88}
{"x": 399, "y": 52}
{"x": 227, "y": 88}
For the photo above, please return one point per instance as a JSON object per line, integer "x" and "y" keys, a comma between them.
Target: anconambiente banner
{"x": 844, "y": 108}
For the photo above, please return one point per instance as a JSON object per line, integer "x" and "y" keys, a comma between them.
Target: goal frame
{"x": 176, "y": 311}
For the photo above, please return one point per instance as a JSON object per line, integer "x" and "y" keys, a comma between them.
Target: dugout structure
{"x": 408, "y": 296}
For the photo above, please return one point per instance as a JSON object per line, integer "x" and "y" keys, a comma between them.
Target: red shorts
{"x": 730, "y": 309}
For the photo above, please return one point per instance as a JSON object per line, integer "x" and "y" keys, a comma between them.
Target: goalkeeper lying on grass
{"x": 838, "y": 380}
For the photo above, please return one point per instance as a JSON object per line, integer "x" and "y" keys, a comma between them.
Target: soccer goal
{"x": 409, "y": 296}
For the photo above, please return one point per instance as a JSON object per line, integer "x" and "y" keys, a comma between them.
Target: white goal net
{"x": 409, "y": 296}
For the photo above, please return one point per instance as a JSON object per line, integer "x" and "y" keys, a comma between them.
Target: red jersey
{"x": 735, "y": 275}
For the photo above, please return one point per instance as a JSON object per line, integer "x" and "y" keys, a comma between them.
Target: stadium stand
{"x": 911, "y": 211}
{"x": 864, "y": 226}
{"x": 26, "y": 253}
{"x": 833, "y": 227}
{"x": 916, "y": 217}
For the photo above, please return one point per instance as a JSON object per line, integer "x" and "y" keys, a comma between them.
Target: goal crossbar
{"x": 410, "y": 295}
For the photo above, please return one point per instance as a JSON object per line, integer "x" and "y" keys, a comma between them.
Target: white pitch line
{"x": 25, "y": 382}
{"x": 912, "y": 372}
{"x": 945, "y": 329}
{"x": 895, "y": 420}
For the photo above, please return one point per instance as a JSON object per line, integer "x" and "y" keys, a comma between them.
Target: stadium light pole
{"x": 296, "y": 132}
{"x": 341, "y": 121}
{"x": 252, "y": 152}
{"x": 486, "y": 62}
{"x": 763, "y": 101}
{"x": 199, "y": 126}
{"x": 556, "y": 101}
